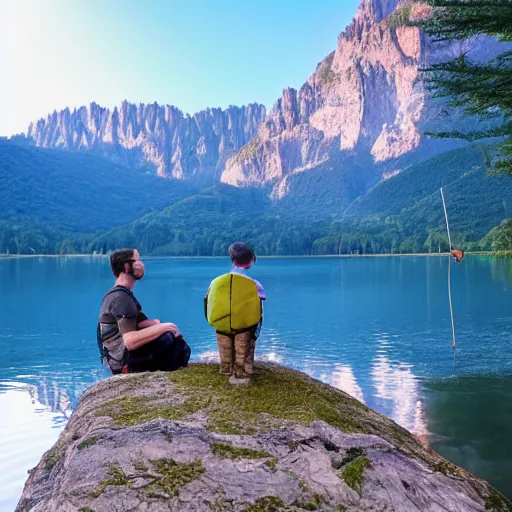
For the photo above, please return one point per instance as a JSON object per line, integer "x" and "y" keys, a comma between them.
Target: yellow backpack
{"x": 232, "y": 303}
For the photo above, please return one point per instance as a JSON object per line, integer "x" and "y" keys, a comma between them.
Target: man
{"x": 128, "y": 340}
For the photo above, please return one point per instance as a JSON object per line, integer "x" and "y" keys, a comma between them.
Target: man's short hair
{"x": 119, "y": 258}
{"x": 241, "y": 253}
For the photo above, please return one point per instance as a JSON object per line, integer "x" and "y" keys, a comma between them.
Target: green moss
{"x": 266, "y": 504}
{"x": 220, "y": 505}
{"x": 174, "y": 476}
{"x": 128, "y": 411}
{"x": 115, "y": 476}
{"x": 276, "y": 395}
{"x": 312, "y": 504}
{"x": 352, "y": 473}
{"x": 85, "y": 509}
{"x": 495, "y": 502}
{"x": 303, "y": 485}
{"x": 55, "y": 455}
{"x": 447, "y": 468}
{"x": 89, "y": 442}
{"x": 219, "y": 424}
{"x": 272, "y": 463}
{"x": 140, "y": 466}
{"x": 228, "y": 451}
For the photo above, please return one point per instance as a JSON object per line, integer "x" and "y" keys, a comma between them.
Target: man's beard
{"x": 132, "y": 273}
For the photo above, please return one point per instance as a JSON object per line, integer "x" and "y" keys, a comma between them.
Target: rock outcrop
{"x": 153, "y": 136}
{"x": 188, "y": 441}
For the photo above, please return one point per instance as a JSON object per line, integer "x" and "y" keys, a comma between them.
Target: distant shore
{"x": 297, "y": 256}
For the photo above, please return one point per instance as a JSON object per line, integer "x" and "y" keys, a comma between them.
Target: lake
{"x": 378, "y": 328}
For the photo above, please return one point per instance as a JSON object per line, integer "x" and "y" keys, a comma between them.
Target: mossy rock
{"x": 353, "y": 473}
{"x": 89, "y": 442}
{"x": 190, "y": 441}
{"x": 228, "y": 451}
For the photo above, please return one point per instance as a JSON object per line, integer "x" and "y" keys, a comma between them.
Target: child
{"x": 233, "y": 307}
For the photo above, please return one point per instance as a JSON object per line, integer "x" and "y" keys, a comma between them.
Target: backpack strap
{"x": 104, "y": 354}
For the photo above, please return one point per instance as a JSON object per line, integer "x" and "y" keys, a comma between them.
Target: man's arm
{"x": 124, "y": 310}
{"x": 136, "y": 339}
{"x": 147, "y": 323}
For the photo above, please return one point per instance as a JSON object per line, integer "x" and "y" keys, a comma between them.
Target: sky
{"x": 193, "y": 54}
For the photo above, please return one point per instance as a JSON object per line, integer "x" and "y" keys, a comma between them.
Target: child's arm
{"x": 261, "y": 290}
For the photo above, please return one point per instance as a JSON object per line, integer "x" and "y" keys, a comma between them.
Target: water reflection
{"x": 31, "y": 420}
{"x": 399, "y": 389}
{"x": 343, "y": 378}
{"x": 469, "y": 424}
{"x": 51, "y": 398}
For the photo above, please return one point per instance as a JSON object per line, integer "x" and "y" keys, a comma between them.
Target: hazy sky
{"x": 189, "y": 53}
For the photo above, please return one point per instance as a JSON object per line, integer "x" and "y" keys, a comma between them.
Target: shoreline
{"x": 284, "y": 256}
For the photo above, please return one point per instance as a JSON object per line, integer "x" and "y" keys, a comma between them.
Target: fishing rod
{"x": 454, "y": 343}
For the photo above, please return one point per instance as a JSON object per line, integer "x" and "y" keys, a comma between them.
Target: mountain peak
{"x": 377, "y": 10}
{"x": 179, "y": 146}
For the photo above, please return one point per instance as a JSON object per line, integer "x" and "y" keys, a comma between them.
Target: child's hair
{"x": 241, "y": 253}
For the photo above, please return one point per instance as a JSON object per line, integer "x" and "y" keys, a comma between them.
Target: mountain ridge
{"x": 176, "y": 145}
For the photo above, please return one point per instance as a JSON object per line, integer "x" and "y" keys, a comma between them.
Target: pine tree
{"x": 482, "y": 89}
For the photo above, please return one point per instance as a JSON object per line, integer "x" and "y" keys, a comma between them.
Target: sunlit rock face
{"x": 159, "y": 138}
{"x": 366, "y": 99}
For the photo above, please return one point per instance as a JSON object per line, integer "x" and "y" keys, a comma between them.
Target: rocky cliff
{"x": 188, "y": 441}
{"x": 358, "y": 119}
{"x": 365, "y": 102}
{"x": 153, "y": 136}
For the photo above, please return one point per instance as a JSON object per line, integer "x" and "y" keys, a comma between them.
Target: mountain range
{"x": 324, "y": 154}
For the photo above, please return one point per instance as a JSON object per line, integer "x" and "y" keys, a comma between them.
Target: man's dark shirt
{"x": 120, "y": 306}
{"x": 120, "y": 313}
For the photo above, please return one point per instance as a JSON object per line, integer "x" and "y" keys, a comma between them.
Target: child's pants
{"x": 236, "y": 352}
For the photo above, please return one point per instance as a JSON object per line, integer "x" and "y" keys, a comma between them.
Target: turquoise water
{"x": 378, "y": 328}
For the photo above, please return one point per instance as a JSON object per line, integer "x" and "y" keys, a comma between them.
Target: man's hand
{"x": 173, "y": 328}
{"x": 138, "y": 338}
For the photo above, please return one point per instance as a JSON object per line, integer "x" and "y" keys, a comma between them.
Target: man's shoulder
{"x": 118, "y": 290}
{"x": 119, "y": 294}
